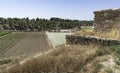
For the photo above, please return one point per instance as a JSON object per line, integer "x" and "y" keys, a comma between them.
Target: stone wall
{"x": 106, "y": 20}
{"x": 85, "y": 40}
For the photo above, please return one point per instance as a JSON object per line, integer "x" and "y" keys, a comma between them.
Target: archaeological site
{"x": 106, "y": 22}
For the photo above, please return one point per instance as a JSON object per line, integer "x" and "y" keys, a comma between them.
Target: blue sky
{"x": 70, "y": 9}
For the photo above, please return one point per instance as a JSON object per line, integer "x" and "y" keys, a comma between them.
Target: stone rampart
{"x": 85, "y": 40}
{"x": 106, "y": 20}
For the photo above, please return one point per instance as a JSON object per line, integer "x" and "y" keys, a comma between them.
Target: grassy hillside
{"x": 68, "y": 59}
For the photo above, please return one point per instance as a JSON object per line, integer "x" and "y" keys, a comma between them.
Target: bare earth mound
{"x": 33, "y": 42}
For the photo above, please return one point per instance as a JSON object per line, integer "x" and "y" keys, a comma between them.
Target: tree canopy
{"x": 41, "y": 24}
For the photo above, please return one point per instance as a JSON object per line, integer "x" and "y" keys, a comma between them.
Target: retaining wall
{"x": 75, "y": 39}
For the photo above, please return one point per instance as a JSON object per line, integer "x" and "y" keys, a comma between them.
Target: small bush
{"x": 5, "y": 61}
{"x": 115, "y": 48}
{"x": 103, "y": 51}
{"x": 109, "y": 71}
{"x": 2, "y": 33}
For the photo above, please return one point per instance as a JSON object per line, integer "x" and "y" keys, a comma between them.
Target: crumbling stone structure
{"x": 85, "y": 40}
{"x": 106, "y": 20}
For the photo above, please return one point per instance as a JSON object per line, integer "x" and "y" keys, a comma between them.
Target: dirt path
{"x": 33, "y": 42}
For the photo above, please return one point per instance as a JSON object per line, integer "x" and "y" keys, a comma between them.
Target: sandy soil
{"x": 33, "y": 42}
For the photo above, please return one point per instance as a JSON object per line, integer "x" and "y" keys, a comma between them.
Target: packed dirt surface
{"x": 33, "y": 42}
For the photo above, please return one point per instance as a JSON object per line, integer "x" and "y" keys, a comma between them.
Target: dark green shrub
{"x": 5, "y": 61}
{"x": 102, "y": 51}
{"x": 115, "y": 48}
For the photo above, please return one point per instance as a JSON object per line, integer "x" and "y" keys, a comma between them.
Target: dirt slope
{"x": 66, "y": 59}
{"x": 33, "y": 42}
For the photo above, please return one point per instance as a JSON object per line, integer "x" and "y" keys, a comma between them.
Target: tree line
{"x": 41, "y": 24}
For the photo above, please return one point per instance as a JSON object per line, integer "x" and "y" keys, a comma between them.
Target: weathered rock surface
{"x": 106, "y": 20}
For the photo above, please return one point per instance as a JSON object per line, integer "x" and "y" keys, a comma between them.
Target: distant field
{"x": 57, "y": 38}
{"x": 31, "y": 43}
{"x": 8, "y": 41}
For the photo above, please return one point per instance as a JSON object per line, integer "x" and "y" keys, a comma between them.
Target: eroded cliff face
{"x": 107, "y": 20}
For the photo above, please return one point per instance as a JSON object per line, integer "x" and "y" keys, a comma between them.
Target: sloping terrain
{"x": 33, "y": 42}
{"x": 68, "y": 59}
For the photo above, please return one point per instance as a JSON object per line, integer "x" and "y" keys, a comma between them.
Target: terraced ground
{"x": 31, "y": 43}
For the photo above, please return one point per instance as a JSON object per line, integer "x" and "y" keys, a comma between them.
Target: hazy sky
{"x": 71, "y": 9}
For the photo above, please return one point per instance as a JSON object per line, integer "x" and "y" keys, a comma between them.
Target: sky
{"x": 67, "y": 9}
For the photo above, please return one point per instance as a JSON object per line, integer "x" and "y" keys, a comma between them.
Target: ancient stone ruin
{"x": 85, "y": 40}
{"x": 107, "y": 20}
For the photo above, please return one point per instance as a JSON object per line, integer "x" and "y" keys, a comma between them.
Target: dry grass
{"x": 114, "y": 33}
{"x": 63, "y": 59}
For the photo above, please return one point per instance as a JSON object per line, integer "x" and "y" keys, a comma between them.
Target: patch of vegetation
{"x": 99, "y": 52}
{"x": 109, "y": 71}
{"x": 2, "y": 33}
{"x": 102, "y": 51}
{"x": 5, "y": 61}
{"x": 116, "y": 49}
